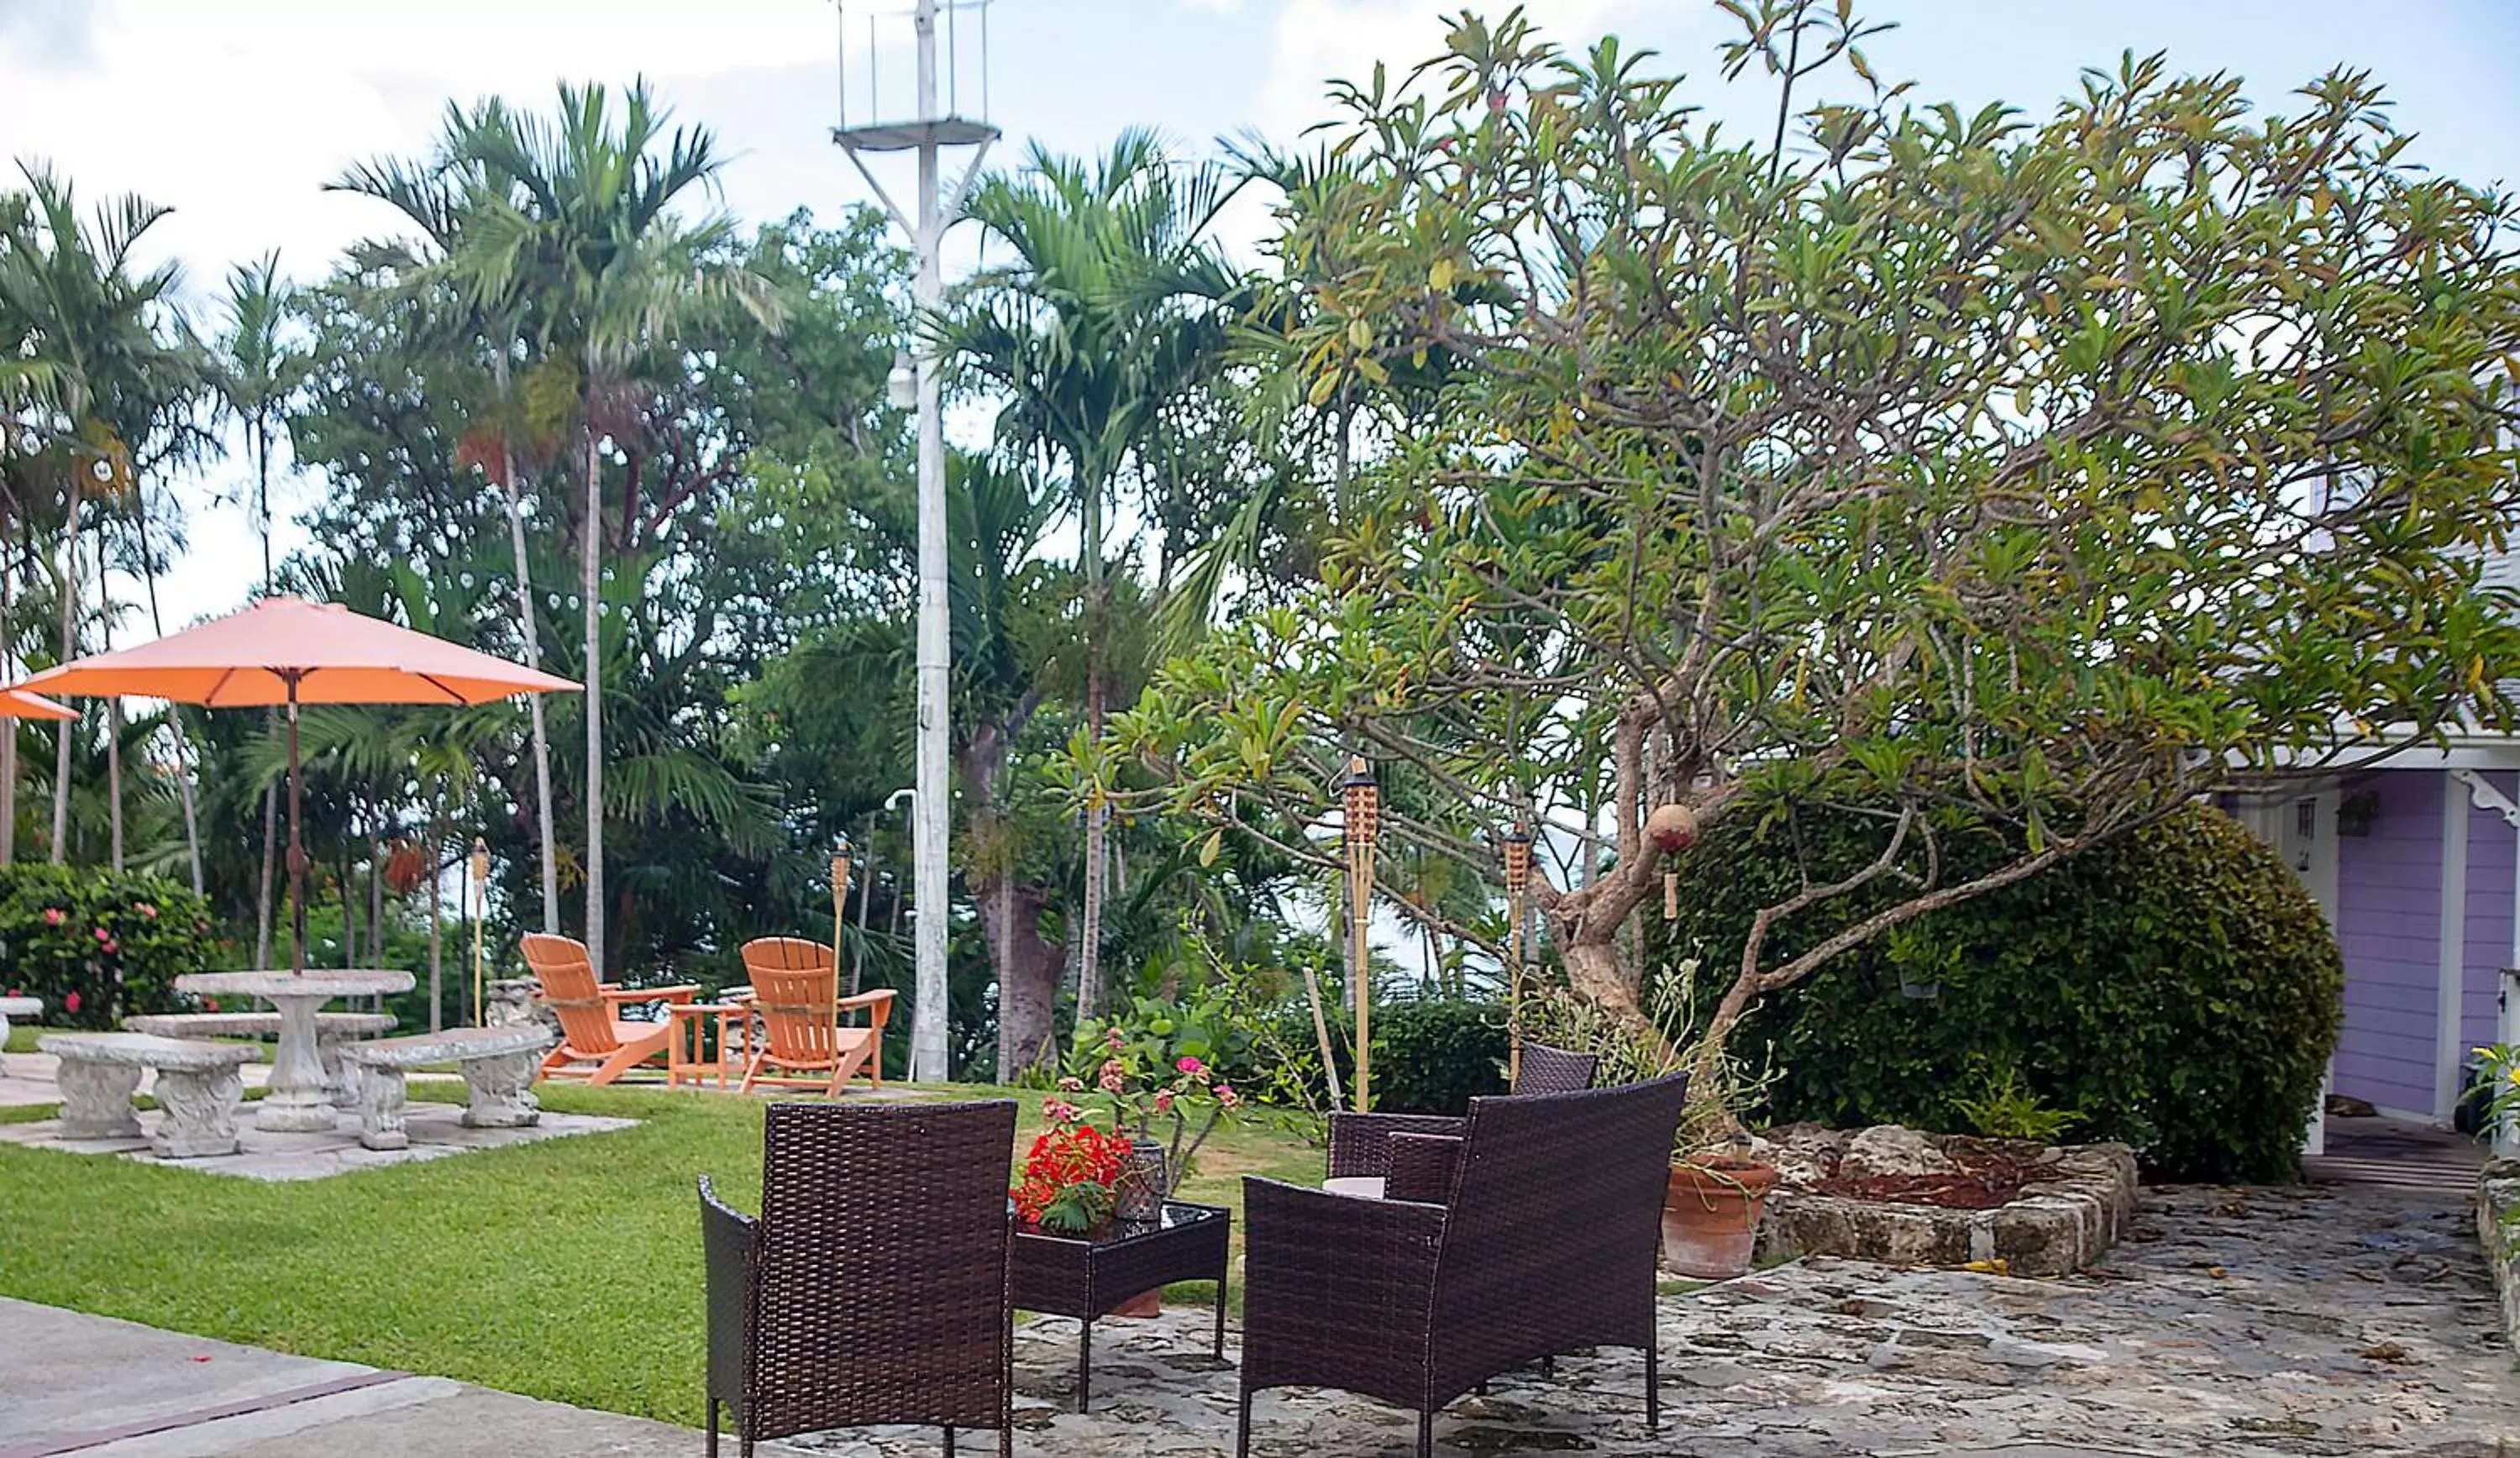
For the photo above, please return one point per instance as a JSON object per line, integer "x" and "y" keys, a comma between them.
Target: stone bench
{"x": 331, "y": 1030}
{"x": 16, "y": 1007}
{"x": 197, "y": 1090}
{"x": 499, "y": 1066}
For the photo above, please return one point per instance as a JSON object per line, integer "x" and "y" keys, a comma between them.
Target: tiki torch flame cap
{"x": 1363, "y": 800}
{"x": 1517, "y": 858}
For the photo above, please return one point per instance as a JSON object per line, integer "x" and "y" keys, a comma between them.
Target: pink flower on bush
{"x": 1226, "y": 1095}
{"x": 1111, "y": 1040}
{"x": 1058, "y": 1110}
{"x": 103, "y": 935}
{"x": 1115, "y": 1075}
{"x": 70, "y": 1003}
{"x": 1163, "y": 1100}
{"x": 55, "y": 916}
{"x": 1189, "y": 1066}
{"x": 109, "y": 946}
{"x": 1071, "y": 1085}
{"x": 145, "y": 910}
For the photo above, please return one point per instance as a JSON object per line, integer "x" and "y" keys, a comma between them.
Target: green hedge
{"x": 2176, "y": 988}
{"x": 97, "y": 947}
{"x": 1434, "y": 1056}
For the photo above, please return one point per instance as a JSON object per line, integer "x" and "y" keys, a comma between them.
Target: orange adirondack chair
{"x": 590, "y": 1032}
{"x": 797, "y": 994}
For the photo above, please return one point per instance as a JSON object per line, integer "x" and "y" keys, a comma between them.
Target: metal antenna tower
{"x": 931, "y": 128}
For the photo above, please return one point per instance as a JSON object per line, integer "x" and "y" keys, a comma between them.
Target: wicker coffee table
{"x": 1086, "y": 1278}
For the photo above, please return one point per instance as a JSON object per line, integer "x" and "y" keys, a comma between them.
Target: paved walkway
{"x": 107, "y": 1388}
{"x": 2297, "y": 1323}
{"x": 33, "y": 1078}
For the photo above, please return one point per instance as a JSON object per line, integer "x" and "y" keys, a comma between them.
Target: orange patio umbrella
{"x": 18, "y": 703}
{"x": 283, "y": 651}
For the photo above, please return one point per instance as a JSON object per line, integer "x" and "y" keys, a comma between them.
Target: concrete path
{"x": 105, "y": 1389}
{"x": 33, "y": 1079}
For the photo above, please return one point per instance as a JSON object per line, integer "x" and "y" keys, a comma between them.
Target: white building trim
{"x": 2449, "y": 985}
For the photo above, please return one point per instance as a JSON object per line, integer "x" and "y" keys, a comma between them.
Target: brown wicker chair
{"x": 1361, "y": 1144}
{"x": 872, "y": 1287}
{"x": 1545, "y": 1244}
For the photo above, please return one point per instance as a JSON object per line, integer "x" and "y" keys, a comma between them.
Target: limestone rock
{"x": 1889, "y": 1150}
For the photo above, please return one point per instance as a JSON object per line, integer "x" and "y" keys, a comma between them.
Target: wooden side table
{"x": 686, "y": 1051}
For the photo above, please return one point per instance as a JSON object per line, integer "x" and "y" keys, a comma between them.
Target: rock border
{"x": 2497, "y": 1230}
{"x": 2055, "y": 1227}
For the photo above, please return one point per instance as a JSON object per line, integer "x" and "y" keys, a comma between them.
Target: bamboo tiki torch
{"x": 1517, "y": 880}
{"x": 839, "y": 897}
{"x": 1364, "y": 814}
{"x": 481, "y": 899}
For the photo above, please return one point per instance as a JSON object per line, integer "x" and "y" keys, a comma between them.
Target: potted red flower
{"x": 1068, "y": 1180}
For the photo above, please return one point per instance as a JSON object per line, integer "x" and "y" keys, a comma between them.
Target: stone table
{"x": 298, "y": 1099}
{"x": 16, "y": 1007}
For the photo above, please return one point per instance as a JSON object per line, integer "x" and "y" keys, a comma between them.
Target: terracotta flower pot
{"x": 1710, "y": 1216}
{"x": 1140, "y": 1306}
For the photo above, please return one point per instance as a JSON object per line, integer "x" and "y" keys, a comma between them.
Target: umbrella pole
{"x": 296, "y": 846}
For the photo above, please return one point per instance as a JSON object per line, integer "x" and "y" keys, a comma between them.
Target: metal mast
{"x": 928, "y": 132}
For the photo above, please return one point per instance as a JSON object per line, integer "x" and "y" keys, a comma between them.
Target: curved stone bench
{"x": 499, "y": 1066}
{"x": 331, "y": 1030}
{"x": 16, "y": 1007}
{"x": 197, "y": 1090}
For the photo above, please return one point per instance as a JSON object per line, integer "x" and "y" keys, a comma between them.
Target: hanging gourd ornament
{"x": 1671, "y": 830}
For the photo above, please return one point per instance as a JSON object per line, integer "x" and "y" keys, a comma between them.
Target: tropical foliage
{"x": 2002, "y": 480}
{"x": 1970, "y": 468}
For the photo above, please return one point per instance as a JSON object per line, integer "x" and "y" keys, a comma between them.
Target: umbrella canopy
{"x": 18, "y": 703}
{"x": 283, "y": 649}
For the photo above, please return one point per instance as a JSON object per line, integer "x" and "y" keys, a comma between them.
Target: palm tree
{"x": 256, "y": 370}
{"x": 446, "y": 201}
{"x": 92, "y": 322}
{"x": 1116, "y": 304}
{"x": 578, "y": 220}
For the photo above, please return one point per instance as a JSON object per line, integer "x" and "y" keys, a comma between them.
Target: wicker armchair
{"x": 1363, "y": 1145}
{"x": 1545, "y": 1244}
{"x": 873, "y": 1286}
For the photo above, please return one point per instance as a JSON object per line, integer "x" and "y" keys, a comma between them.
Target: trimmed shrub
{"x": 2176, "y": 988}
{"x": 1434, "y": 1056}
{"x": 95, "y": 946}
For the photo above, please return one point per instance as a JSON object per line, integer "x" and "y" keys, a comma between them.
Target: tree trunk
{"x": 534, "y": 659}
{"x": 9, "y": 729}
{"x": 113, "y": 718}
{"x": 591, "y": 581}
{"x": 436, "y": 917}
{"x": 348, "y": 905}
{"x": 1090, "y": 997}
{"x": 69, "y": 650}
{"x": 377, "y": 906}
{"x": 1028, "y": 971}
{"x": 270, "y": 852}
{"x": 175, "y": 712}
{"x": 271, "y": 792}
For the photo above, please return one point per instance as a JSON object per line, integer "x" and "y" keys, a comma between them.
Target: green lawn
{"x": 567, "y": 1269}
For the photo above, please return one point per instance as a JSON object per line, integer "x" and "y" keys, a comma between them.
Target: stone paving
{"x": 262, "y": 1153}
{"x": 2291, "y": 1323}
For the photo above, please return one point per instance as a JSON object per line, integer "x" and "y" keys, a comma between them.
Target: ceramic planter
{"x": 1710, "y": 1216}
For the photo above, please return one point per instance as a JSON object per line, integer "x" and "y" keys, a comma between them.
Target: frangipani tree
{"x": 1952, "y": 465}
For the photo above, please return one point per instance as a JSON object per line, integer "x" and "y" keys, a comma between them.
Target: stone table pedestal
{"x": 298, "y": 1099}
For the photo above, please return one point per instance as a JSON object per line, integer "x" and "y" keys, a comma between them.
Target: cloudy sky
{"x": 234, "y": 113}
